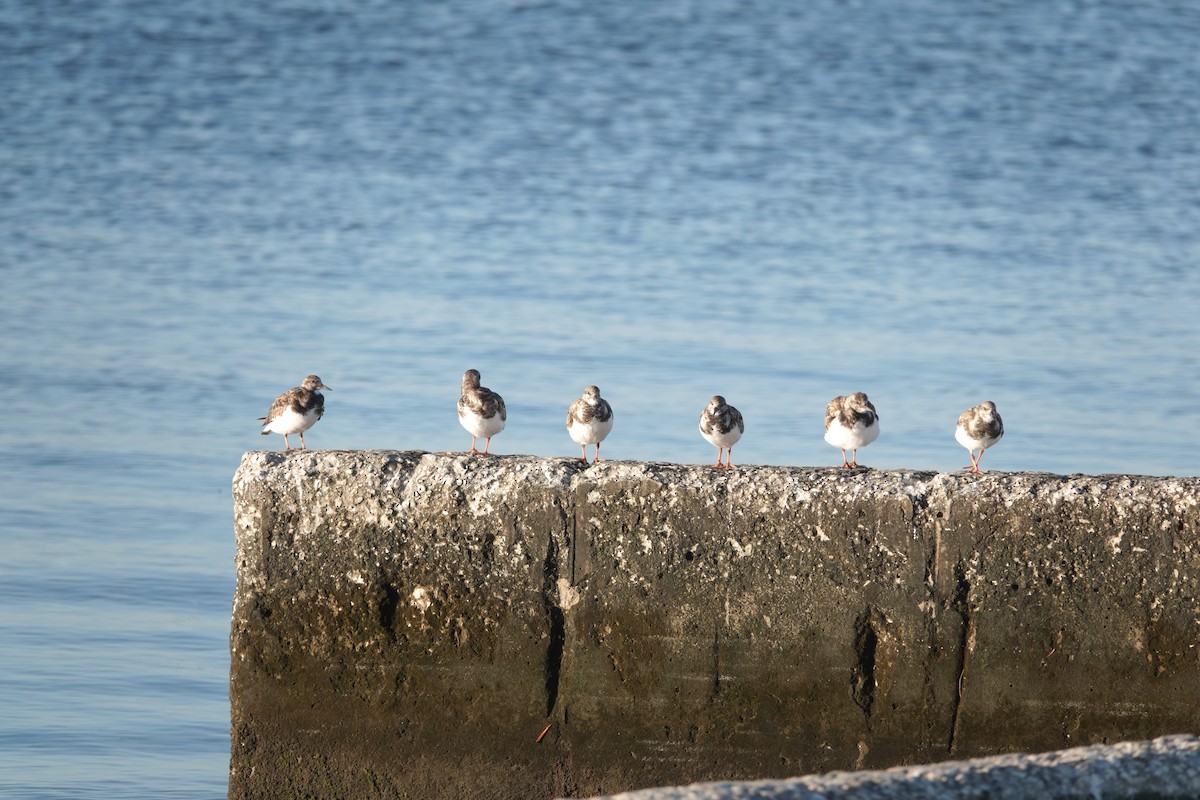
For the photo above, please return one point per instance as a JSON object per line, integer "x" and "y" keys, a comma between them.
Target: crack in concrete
{"x": 557, "y": 634}
{"x": 966, "y": 642}
{"x": 862, "y": 674}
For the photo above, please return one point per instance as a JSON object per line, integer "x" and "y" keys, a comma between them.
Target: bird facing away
{"x": 721, "y": 424}
{"x": 851, "y": 422}
{"x": 589, "y": 420}
{"x": 978, "y": 429}
{"x": 481, "y": 411}
{"x": 296, "y": 410}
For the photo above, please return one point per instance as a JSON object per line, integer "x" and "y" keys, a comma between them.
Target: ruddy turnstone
{"x": 978, "y": 429}
{"x": 481, "y": 411}
{"x": 721, "y": 424}
{"x": 851, "y": 422}
{"x": 296, "y": 410}
{"x": 589, "y": 420}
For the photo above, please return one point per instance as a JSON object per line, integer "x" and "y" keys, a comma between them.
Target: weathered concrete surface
{"x": 1161, "y": 769}
{"x": 406, "y": 624}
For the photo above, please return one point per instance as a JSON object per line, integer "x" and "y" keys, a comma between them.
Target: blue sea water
{"x": 200, "y": 203}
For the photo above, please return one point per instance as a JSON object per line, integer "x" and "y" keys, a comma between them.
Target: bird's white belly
{"x": 592, "y": 432}
{"x": 291, "y": 422}
{"x": 728, "y": 439}
{"x": 487, "y": 427}
{"x": 964, "y": 438}
{"x": 845, "y": 438}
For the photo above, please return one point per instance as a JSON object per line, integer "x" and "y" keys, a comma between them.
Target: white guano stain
{"x": 422, "y": 598}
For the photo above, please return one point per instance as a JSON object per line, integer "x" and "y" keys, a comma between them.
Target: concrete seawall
{"x": 406, "y": 624}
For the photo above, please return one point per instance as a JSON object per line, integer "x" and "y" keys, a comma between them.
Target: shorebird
{"x": 851, "y": 422}
{"x": 296, "y": 410}
{"x": 589, "y": 420}
{"x": 979, "y": 428}
{"x": 721, "y": 424}
{"x": 481, "y": 411}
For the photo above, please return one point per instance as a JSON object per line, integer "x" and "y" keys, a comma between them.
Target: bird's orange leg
{"x": 472, "y": 451}
{"x": 597, "y": 458}
{"x": 582, "y": 454}
{"x": 719, "y": 465}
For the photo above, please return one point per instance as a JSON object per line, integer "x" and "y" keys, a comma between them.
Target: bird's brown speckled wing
{"x": 281, "y": 404}
{"x": 483, "y": 402}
